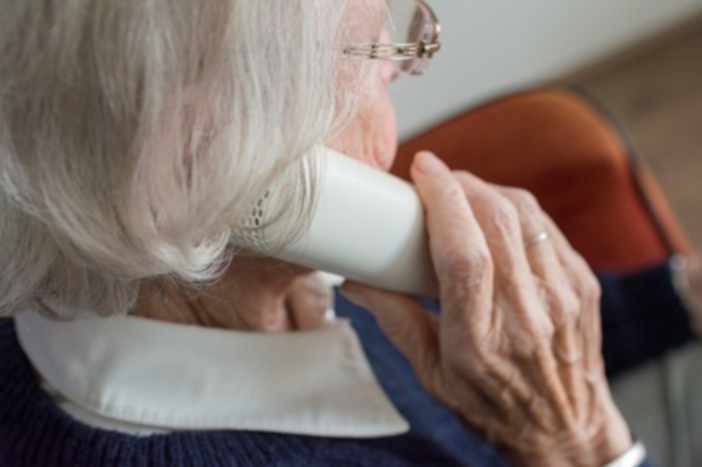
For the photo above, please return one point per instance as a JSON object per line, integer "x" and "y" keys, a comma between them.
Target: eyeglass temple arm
{"x": 392, "y": 51}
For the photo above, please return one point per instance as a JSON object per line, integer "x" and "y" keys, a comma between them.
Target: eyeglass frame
{"x": 400, "y": 51}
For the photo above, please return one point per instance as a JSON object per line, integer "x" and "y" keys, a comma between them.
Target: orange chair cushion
{"x": 555, "y": 144}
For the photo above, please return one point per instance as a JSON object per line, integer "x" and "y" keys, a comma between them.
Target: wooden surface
{"x": 655, "y": 91}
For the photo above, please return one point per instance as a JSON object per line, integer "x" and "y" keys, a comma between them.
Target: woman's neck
{"x": 251, "y": 295}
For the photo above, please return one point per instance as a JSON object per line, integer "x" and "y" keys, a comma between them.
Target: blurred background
{"x": 642, "y": 59}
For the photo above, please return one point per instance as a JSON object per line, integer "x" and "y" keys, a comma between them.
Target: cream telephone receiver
{"x": 367, "y": 226}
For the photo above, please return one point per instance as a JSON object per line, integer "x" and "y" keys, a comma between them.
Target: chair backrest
{"x": 560, "y": 146}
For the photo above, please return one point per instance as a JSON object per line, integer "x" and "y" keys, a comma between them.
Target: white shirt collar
{"x": 163, "y": 376}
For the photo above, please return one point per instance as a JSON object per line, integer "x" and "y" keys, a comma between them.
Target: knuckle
{"x": 473, "y": 264}
{"x": 592, "y": 288}
{"x": 524, "y": 200}
{"x": 570, "y": 306}
{"x": 539, "y": 329}
{"x": 528, "y": 208}
{"x": 585, "y": 284}
{"x": 565, "y": 305}
{"x": 505, "y": 216}
{"x": 532, "y": 322}
{"x": 459, "y": 267}
{"x": 544, "y": 328}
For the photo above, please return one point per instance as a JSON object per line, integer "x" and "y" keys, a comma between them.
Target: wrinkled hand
{"x": 516, "y": 350}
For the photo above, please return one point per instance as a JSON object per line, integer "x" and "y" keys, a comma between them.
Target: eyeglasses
{"x": 414, "y": 32}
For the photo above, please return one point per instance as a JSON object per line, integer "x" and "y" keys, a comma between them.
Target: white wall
{"x": 491, "y": 46}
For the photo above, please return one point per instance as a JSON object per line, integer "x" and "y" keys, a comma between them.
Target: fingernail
{"x": 428, "y": 163}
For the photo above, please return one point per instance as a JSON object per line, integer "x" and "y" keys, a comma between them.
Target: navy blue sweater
{"x": 642, "y": 317}
{"x": 34, "y": 432}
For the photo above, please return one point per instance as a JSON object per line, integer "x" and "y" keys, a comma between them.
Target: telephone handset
{"x": 367, "y": 226}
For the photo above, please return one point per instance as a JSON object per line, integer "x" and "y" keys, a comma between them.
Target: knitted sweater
{"x": 34, "y": 432}
{"x": 642, "y": 317}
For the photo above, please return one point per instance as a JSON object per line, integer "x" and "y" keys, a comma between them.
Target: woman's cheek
{"x": 372, "y": 135}
{"x": 386, "y": 137}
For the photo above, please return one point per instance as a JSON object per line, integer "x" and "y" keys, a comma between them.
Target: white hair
{"x": 134, "y": 133}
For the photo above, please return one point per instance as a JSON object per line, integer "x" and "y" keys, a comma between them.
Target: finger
{"x": 465, "y": 269}
{"x": 308, "y": 302}
{"x": 572, "y": 263}
{"x": 500, "y": 222}
{"x": 542, "y": 257}
{"x": 412, "y": 329}
{"x": 587, "y": 290}
{"x": 561, "y": 300}
{"x": 527, "y": 315}
{"x": 585, "y": 332}
{"x": 458, "y": 248}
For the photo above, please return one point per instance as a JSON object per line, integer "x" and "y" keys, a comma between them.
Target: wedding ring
{"x": 538, "y": 238}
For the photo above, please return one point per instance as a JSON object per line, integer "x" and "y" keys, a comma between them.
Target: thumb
{"x": 411, "y": 328}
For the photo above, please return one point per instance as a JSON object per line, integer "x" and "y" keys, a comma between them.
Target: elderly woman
{"x": 134, "y": 138}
